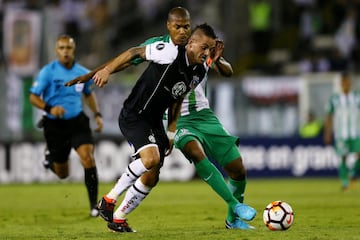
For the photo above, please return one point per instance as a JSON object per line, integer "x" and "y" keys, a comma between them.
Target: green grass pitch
{"x": 181, "y": 211}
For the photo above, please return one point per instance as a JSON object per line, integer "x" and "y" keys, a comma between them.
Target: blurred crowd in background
{"x": 271, "y": 44}
{"x": 261, "y": 36}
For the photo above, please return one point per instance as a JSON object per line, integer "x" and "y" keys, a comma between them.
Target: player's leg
{"x": 187, "y": 141}
{"x": 59, "y": 153}
{"x": 213, "y": 177}
{"x": 137, "y": 192}
{"x": 47, "y": 162}
{"x": 133, "y": 198}
{"x": 355, "y": 147}
{"x": 342, "y": 148}
{"x": 355, "y": 169}
{"x": 134, "y": 171}
{"x": 143, "y": 185}
{"x": 57, "y": 144}
{"x": 82, "y": 141}
{"x": 193, "y": 151}
{"x": 344, "y": 173}
{"x": 138, "y": 132}
{"x": 85, "y": 152}
{"x": 236, "y": 183}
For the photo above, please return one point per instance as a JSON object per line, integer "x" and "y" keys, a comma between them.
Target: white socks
{"x": 132, "y": 199}
{"x": 133, "y": 172}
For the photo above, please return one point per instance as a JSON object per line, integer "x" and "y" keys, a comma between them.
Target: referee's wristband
{"x": 98, "y": 114}
{"x": 170, "y": 135}
{"x": 47, "y": 108}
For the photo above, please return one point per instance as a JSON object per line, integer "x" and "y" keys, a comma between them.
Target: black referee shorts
{"x": 63, "y": 135}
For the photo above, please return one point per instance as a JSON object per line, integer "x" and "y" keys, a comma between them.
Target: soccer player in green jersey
{"x": 178, "y": 25}
{"x": 343, "y": 121}
{"x": 201, "y": 138}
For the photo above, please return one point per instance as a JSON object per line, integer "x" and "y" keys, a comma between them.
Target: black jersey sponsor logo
{"x": 178, "y": 89}
{"x": 194, "y": 82}
{"x": 152, "y": 138}
{"x": 160, "y": 46}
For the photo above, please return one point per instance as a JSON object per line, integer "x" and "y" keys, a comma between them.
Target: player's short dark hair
{"x": 61, "y": 36}
{"x": 178, "y": 12}
{"x": 206, "y": 29}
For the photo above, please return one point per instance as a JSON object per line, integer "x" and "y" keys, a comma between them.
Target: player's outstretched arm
{"x": 101, "y": 74}
{"x": 101, "y": 77}
{"x": 86, "y": 77}
{"x": 81, "y": 79}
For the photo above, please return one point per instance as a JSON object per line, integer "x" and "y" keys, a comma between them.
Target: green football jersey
{"x": 346, "y": 115}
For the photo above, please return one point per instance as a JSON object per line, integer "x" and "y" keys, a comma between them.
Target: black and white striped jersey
{"x": 167, "y": 79}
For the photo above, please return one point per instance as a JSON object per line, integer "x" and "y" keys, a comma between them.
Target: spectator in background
{"x": 337, "y": 62}
{"x": 312, "y": 128}
{"x": 310, "y": 24}
{"x": 313, "y": 61}
{"x": 345, "y": 36}
{"x": 53, "y": 26}
{"x": 260, "y": 12}
{"x": 74, "y": 11}
{"x": 98, "y": 33}
{"x": 343, "y": 121}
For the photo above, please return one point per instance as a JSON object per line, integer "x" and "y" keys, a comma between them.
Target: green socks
{"x": 212, "y": 176}
{"x": 354, "y": 171}
{"x": 238, "y": 189}
{"x": 343, "y": 174}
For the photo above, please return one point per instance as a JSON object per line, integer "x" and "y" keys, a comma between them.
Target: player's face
{"x": 65, "y": 51}
{"x": 199, "y": 48}
{"x": 179, "y": 30}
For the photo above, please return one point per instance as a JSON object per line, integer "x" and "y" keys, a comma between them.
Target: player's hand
{"x": 99, "y": 123}
{"x": 101, "y": 77}
{"x": 80, "y": 79}
{"x": 218, "y": 50}
{"x": 168, "y": 151}
{"x": 57, "y": 111}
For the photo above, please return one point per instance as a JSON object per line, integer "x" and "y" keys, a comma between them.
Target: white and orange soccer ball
{"x": 278, "y": 215}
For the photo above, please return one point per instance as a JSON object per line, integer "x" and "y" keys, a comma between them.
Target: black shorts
{"x": 63, "y": 135}
{"x": 140, "y": 131}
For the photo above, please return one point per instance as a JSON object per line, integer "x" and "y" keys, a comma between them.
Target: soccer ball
{"x": 278, "y": 215}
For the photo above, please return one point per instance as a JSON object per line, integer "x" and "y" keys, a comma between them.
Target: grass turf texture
{"x": 174, "y": 211}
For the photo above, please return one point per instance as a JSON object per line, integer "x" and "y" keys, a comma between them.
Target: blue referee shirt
{"x": 49, "y": 84}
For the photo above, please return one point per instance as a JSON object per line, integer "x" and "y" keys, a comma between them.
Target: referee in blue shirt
{"x": 65, "y": 124}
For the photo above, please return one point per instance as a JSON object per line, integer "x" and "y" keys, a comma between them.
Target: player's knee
{"x": 151, "y": 161}
{"x": 195, "y": 155}
{"x": 61, "y": 170}
{"x": 88, "y": 160}
{"x": 238, "y": 173}
{"x": 238, "y": 176}
{"x": 62, "y": 174}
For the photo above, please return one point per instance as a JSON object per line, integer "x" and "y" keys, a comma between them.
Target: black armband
{"x": 98, "y": 114}
{"x": 47, "y": 108}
